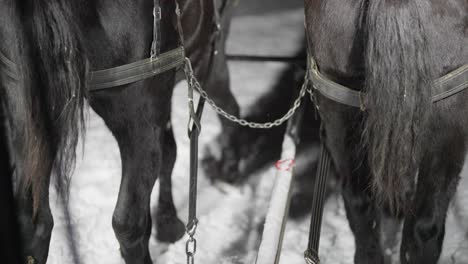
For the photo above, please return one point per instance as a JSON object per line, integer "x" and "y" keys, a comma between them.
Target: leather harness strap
{"x": 451, "y": 84}
{"x": 136, "y": 71}
{"x": 331, "y": 89}
{"x": 121, "y": 75}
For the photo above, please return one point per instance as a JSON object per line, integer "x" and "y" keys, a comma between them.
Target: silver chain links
{"x": 192, "y": 80}
{"x": 191, "y": 244}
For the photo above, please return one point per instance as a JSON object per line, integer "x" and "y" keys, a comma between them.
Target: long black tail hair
{"x": 398, "y": 80}
{"x": 57, "y": 66}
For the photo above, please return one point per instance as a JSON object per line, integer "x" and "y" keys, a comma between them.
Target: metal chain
{"x": 192, "y": 80}
{"x": 191, "y": 244}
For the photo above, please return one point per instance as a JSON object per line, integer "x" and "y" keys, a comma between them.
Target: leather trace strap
{"x": 451, "y": 84}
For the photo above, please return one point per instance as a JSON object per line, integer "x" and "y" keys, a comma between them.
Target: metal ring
{"x": 191, "y": 227}
{"x": 191, "y": 251}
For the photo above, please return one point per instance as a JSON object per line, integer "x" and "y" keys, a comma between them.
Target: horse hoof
{"x": 220, "y": 169}
{"x": 170, "y": 230}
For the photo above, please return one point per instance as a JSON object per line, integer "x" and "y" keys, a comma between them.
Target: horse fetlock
{"x": 423, "y": 245}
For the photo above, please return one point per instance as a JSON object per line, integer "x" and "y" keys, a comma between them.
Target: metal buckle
{"x": 157, "y": 13}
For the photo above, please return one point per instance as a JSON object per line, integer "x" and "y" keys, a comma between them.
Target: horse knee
{"x": 129, "y": 227}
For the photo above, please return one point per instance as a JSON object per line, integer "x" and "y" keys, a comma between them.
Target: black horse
{"x": 401, "y": 149}
{"x": 54, "y": 44}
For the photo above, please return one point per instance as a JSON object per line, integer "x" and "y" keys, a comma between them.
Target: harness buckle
{"x": 157, "y": 13}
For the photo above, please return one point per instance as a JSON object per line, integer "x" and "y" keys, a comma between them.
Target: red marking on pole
{"x": 285, "y": 165}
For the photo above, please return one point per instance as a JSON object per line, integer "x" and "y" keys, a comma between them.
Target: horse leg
{"x": 363, "y": 217}
{"x": 424, "y": 227}
{"x": 141, "y": 159}
{"x": 35, "y": 230}
{"x": 352, "y": 168}
{"x": 137, "y": 117}
{"x": 168, "y": 226}
{"x": 223, "y": 165}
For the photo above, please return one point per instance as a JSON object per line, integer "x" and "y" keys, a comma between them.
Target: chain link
{"x": 191, "y": 244}
{"x": 191, "y": 249}
{"x": 192, "y": 81}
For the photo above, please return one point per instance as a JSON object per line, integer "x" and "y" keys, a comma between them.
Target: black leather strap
{"x": 320, "y": 187}
{"x": 451, "y": 84}
{"x": 121, "y": 75}
{"x": 331, "y": 89}
{"x": 136, "y": 71}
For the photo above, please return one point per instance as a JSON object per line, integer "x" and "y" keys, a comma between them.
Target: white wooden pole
{"x": 270, "y": 247}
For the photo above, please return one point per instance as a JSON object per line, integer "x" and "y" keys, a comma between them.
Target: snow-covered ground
{"x": 230, "y": 217}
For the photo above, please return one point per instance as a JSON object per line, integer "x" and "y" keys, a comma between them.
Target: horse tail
{"x": 58, "y": 66}
{"x": 398, "y": 80}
